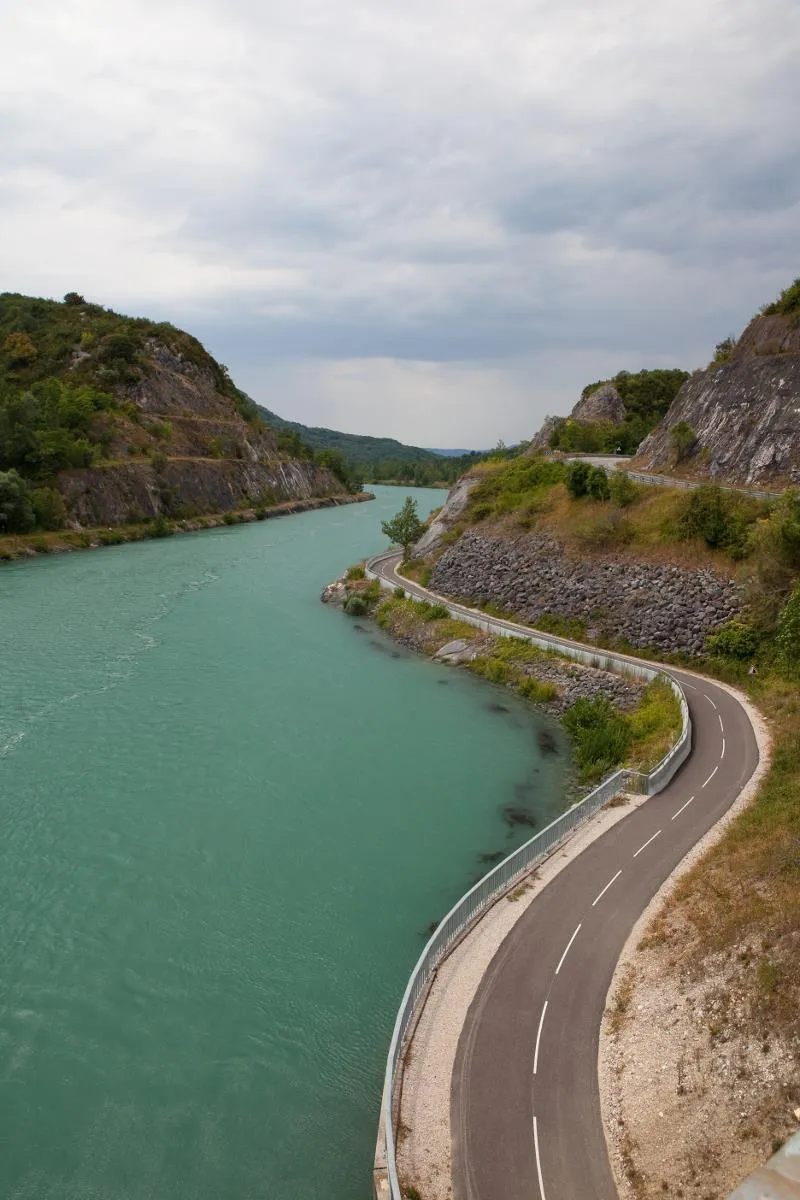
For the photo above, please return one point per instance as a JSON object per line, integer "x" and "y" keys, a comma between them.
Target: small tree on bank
{"x": 405, "y": 528}
{"x": 682, "y": 439}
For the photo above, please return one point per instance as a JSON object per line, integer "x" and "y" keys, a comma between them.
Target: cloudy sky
{"x": 432, "y": 219}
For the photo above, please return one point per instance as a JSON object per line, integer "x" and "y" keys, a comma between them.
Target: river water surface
{"x": 227, "y": 815}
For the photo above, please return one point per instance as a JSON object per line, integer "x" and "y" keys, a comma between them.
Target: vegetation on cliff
{"x": 107, "y": 419}
{"x": 646, "y": 396}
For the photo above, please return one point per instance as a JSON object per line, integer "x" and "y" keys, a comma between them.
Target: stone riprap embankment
{"x": 649, "y": 604}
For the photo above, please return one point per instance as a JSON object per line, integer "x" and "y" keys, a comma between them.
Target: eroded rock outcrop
{"x": 670, "y": 608}
{"x": 604, "y": 404}
{"x": 447, "y": 516}
{"x": 745, "y": 413}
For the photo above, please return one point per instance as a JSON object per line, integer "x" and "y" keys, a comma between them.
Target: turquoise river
{"x": 227, "y": 815}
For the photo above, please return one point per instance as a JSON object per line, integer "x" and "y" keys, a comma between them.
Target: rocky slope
{"x": 649, "y": 604}
{"x": 184, "y": 450}
{"x": 130, "y": 420}
{"x": 744, "y": 412}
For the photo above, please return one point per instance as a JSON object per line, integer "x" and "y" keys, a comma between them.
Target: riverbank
{"x": 21, "y": 546}
{"x": 612, "y": 719}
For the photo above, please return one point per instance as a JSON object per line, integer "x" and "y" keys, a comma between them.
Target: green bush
{"x": 231, "y": 518}
{"x": 16, "y": 510}
{"x": 601, "y": 736}
{"x": 48, "y": 508}
{"x": 789, "y": 632}
{"x": 399, "y": 593}
{"x": 577, "y": 479}
{"x": 356, "y": 605}
{"x": 622, "y": 489}
{"x": 536, "y": 690}
{"x": 734, "y": 639}
{"x": 160, "y": 527}
{"x": 356, "y": 572}
{"x": 723, "y": 520}
{"x": 597, "y": 485}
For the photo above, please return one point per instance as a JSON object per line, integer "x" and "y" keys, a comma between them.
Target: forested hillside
{"x": 108, "y": 419}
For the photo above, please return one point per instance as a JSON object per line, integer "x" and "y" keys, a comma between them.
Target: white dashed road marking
{"x": 538, "y": 1037}
{"x": 605, "y": 889}
{"x": 711, "y": 702}
{"x": 711, "y": 776}
{"x": 647, "y": 843}
{"x": 538, "y": 1159}
{"x": 564, "y": 955}
{"x": 682, "y": 807}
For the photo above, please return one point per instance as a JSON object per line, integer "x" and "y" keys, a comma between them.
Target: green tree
{"x": 682, "y": 438}
{"x": 74, "y": 299}
{"x": 577, "y": 479}
{"x": 789, "y": 631}
{"x": 734, "y": 639}
{"x": 597, "y": 484}
{"x": 20, "y": 349}
{"x": 405, "y": 528}
{"x": 16, "y": 511}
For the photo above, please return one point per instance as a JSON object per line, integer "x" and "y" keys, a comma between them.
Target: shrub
{"x": 261, "y": 514}
{"x": 734, "y": 639}
{"x": 597, "y": 485}
{"x": 20, "y": 349}
{"x": 399, "y": 593}
{"x": 356, "y": 572}
{"x": 230, "y": 518}
{"x": 536, "y": 690}
{"x": 682, "y": 438}
{"x": 622, "y": 489}
{"x": 437, "y": 612}
{"x": 48, "y": 508}
{"x": 577, "y": 479}
{"x": 160, "y": 527}
{"x": 789, "y": 632}
{"x": 16, "y": 510}
{"x": 356, "y": 605}
{"x": 721, "y": 519}
{"x": 600, "y": 734}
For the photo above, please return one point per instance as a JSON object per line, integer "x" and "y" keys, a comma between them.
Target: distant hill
{"x": 355, "y": 447}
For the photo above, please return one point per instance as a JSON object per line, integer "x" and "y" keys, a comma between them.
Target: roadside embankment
{"x": 22, "y": 546}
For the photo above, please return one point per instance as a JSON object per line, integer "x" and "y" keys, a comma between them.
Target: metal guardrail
{"x": 691, "y": 484}
{"x": 656, "y": 480}
{"x": 510, "y": 870}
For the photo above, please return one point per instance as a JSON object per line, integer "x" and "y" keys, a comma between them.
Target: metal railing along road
{"x": 502, "y": 877}
{"x": 656, "y": 480}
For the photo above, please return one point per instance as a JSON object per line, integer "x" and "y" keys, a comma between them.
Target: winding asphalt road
{"x": 525, "y": 1104}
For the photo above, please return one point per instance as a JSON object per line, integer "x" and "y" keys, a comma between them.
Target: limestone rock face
{"x": 453, "y": 507}
{"x": 745, "y": 413}
{"x": 604, "y": 404}
{"x": 184, "y": 449}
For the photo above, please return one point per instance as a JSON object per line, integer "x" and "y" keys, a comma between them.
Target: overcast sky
{"x": 431, "y": 219}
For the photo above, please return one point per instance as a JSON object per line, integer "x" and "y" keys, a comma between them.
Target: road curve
{"x": 525, "y": 1104}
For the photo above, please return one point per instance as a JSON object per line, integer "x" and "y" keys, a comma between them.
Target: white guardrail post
{"x": 497, "y": 881}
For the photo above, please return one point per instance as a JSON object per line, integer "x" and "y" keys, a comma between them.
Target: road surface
{"x": 525, "y": 1103}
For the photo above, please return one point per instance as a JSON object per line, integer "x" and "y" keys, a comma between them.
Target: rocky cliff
{"x": 129, "y": 419}
{"x": 744, "y": 412}
{"x": 180, "y": 448}
{"x": 604, "y": 404}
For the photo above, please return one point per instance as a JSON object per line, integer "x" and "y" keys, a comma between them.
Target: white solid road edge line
{"x": 564, "y": 955}
{"x": 538, "y": 1036}
{"x": 538, "y": 1159}
{"x": 711, "y": 776}
{"x": 682, "y": 807}
{"x": 608, "y": 885}
{"x": 647, "y": 843}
